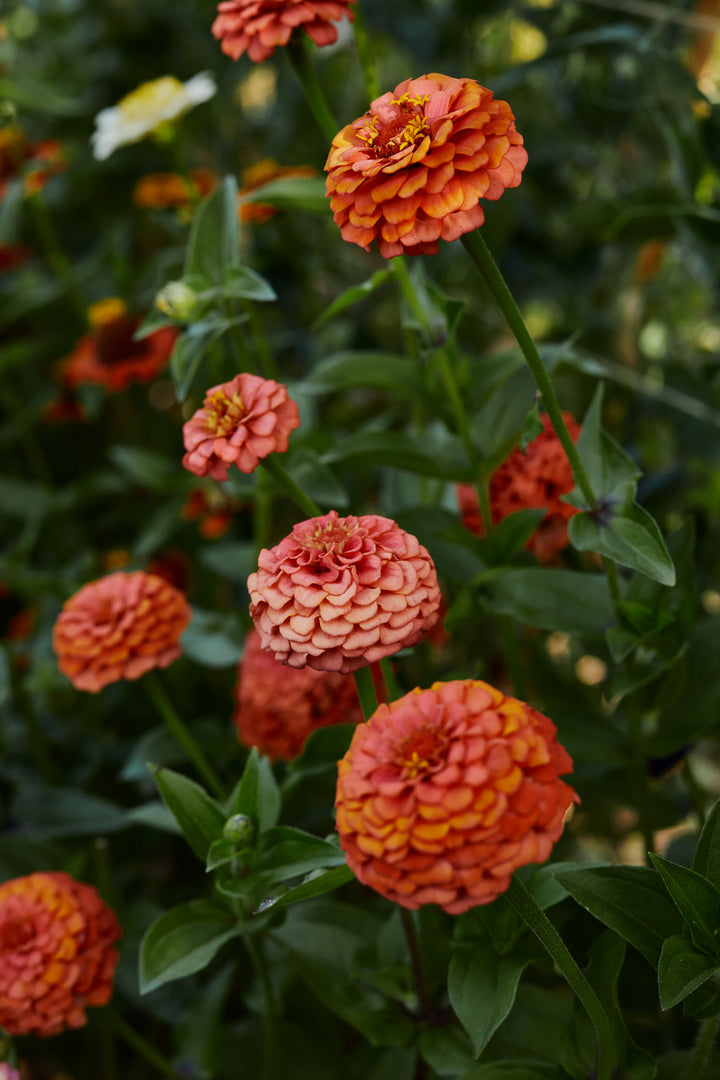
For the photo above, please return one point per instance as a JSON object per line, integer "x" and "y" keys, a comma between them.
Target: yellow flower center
{"x": 329, "y": 537}
{"x": 408, "y": 128}
{"x": 423, "y": 749}
{"x": 105, "y": 311}
{"x": 223, "y": 414}
{"x": 149, "y": 99}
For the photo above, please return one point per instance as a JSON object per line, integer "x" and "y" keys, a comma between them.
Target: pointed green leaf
{"x": 707, "y": 853}
{"x": 385, "y": 372}
{"x": 247, "y": 284}
{"x": 182, "y": 941}
{"x": 510, "y": 536}
{"x": 190, "y": 348}
{"x": 353, "y": 295}
{"x": 214, "y": 235}
{"x": 563, "y": 600}
{"x": 697, "y": 900}
{"x": 681, "y": 970}
{"x": 630, "y": 536}
{"x": 445, "y": 459}
{"x": 612, "y": 473}
{"x": 301, "y": 192}
{"x": 482, "y": 987}
{"x": 199, "y": 816}
{"x": 258, "y": 794}
{"x": 315, "y": 885}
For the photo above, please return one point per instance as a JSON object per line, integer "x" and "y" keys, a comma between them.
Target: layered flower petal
{"x": 56, "y": 954}
{"x": 445, "y": 792}
{"x": 119, "y": 627}
{"x": 414, "y": 168}
{"x": 240, "y": 422}
{"x": 257, "y": 27}
{"x": 530, "y": 479}
{"x": 340, "y": 593}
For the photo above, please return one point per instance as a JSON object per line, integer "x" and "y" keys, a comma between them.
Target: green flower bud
{"x": 239, "y": 830}
{"x": 177, "y": 300}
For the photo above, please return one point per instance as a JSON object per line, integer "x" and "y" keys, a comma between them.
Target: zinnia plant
{"x": 258, "y": 27}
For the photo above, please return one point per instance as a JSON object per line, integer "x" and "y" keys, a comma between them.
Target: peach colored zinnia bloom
{"x": 528, "y": 480}
{"x": 258, "y": 26}
{"x": 278, "y": 707}
{"x": 241, "y": 421}
{"x": 119, "y": 627}
{"x": 109, "y": 356}
{"x": 444, "y": 793}
{"x": 56, "y": 954}
{"x": 412, "y": 170}
{"x": 340, "y": 593}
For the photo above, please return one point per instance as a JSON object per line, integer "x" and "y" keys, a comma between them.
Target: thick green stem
{"x": 181, "y": 733}
{"x": 270, "y": 1011}
{"x": 366, "y": 691}
{"x": 298, "y": 52}
{"x": 416, "y": 961}
{"x": 480, "y": 254}
{"x": 703, "y": 1048}
{"x": 141, "y": 1046}
{"x": 538, "y": 922}
{"x": 296, "y": 493}
{"x": 365, "y": 55}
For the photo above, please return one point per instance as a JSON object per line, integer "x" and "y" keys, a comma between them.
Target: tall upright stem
{"x": 365, "y": 55}
{"x": 296, "y": 493}
{"x": 416, "y": 961}
{"x": 270, "y": 1011}
{"x": 298, "y": 51}
{"x": 183, "y": 736}
{"x": 366, "y": 691}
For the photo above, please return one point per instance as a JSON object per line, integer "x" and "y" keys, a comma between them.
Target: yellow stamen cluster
{"x": 223, "y": 413}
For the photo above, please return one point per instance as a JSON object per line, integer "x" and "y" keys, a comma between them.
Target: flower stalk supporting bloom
{"x": 185, "y": 739}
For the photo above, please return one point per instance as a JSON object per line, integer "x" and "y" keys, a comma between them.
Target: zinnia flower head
{"x": 527, "y": 480}
{"x": 146, "y": 109}
{"x": 414, "y": 168}
{"x": 340, "y": 593}
{"x": 166, "y": 191}
{"x": 119, "y": 627}
{"x": 445, "y": 792}
{"x": 278, "y": 707}
{"x": 35, "y": 163}
{"x": 110, "y": 356}
{"x": 258, "y": 26}
{"x": 241, "y": 421}
{"x": 56, "y": 954}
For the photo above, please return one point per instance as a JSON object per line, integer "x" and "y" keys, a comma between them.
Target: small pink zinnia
{"x": 340, "y": 593}
{"x": 241, "y": 421}
{"x": 258, "y": 26}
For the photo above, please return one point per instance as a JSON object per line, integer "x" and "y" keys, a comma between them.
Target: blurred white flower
{"x": 144, "y": 110}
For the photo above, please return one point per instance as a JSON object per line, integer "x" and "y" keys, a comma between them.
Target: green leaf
{"x": 353, "y": 295}
{"x": 59, "y": 811}
{"x": 630, "y": 900}
{"x": 247, "y": 284}
{"x": 200, "y": 817}
{"x": 318, "y": 481}
{"x": 482, "y": 987}
{"x": 293, "y": 192}
{"x": 182, "y": 941}
{"x": 532, "y": 427}
{"x": 611, "y": 472}
{"x": 213, "y": 639}
{"x": 384, "y": 372}
{"x": 706, "y": 860}
{"x": 446, "y": 460}
{"x": 681, "y": 970}
{"x": 190, "y": 348}
{"x": 150, "y": 470}
{"x": 512, "y": 1070}
{"x": 697, "y": 900}
{"x": 564, "y": 600}
{"x": 230, "y": 560}
{"x": 510, "y": 536}
{"x": 258, "y": 794}
{"x": 315, "y": 885}
{"x": 630, "y": 536}
{"x": 213, "y": 243}
{"x": 284, "y": 852}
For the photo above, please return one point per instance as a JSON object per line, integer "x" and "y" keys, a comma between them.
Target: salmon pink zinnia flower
{"x": 445, "y": 792}
{"x": 56, "y": 954}
{"x": 278, "y": 707}
{"x": 528, "y": 480}
{"x": 340, "y": 593}
{"x": 119, "y": 627}
{"x": 240, "y": 422}
{"x": 412, "y": 170}
{"x": 258, "y": 26}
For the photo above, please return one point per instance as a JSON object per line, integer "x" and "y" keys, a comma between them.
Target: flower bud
{"x": 177, "y": 300}
{"x": 239, "y": 830}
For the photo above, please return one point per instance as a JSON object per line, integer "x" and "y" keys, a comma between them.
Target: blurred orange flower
{"x": 414, "y": 168}
{"x": 56, "y": 954}
{"x": 109, "y": 356}
{"x": 277, "y": 707}
{"x": 34, "y": 163}
{"x": 444, "y": 793}
{"x": 530, "y": 480}
{"x": 241, "y": 421}
{"x": 340, "y": 593}
{"x": 165, "y": 191}
{"x": 119, "y": 627}
{"x": 256, "y": 176}
{"x": 212, "y": 509}
{"x": 258, "y": 26}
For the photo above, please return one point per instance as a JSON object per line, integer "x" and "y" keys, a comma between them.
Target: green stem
{"x": 399, "y": 266}
{"x": 181, "y": 733}
{"x": 416, "y": 961}
{"x": 509, "y": 638}
{"x": 298, "y": 52}
{"x": 480, "y": 254}
{"x": 270, "y": 1011}
{"x": 538, "y": 922}
{"x": 365, "y": 55}
{"x": 391, "y": 684}
{"x": 614, "y": 583}
{"x": 285, "y": 480}
{"x": 141, "y": 1046}
{"x": 366, "y": 691}
{"x": 640, "y": 777}
{"x": 703, "y": 1048}
{"x": 262, "y": 512}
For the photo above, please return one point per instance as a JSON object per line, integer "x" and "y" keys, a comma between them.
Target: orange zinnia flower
{"x": 109, "y": 356}
{"x": 340, "y": 593}
{"x": 165, "y": 191}
{"x": 445, "y": 792}
{"x": 277, "y": 707}
{"x": 241, "y": 421}
{"x": 528, "y": 480}
{"x": 35, "y": 163}
{"x": 412, "y": 170}
{"x": 258, "y": 26}
{"x": 56, "y": 954}
{"x": 119, "y": 627}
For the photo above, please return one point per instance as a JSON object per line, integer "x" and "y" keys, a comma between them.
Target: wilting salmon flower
{"x": 119, "y": 627}
{"x": 22, "y": 159}
{"x": 277, "y": 708}
{"x": 527, "y": 480}
{"x": 56, "y": 954}
{"x": 258, "y": 26}
{"x": 414, "y": 168}
{"x": 241, "y": 421}
{"x": 256, "y": 176}
{"x": 171, "y": 191}
{"x": 110, "y": 356}
{"x": 147, "y": 109}
{"x": 445, "y": 792}
{"x": 340, "y": 593}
